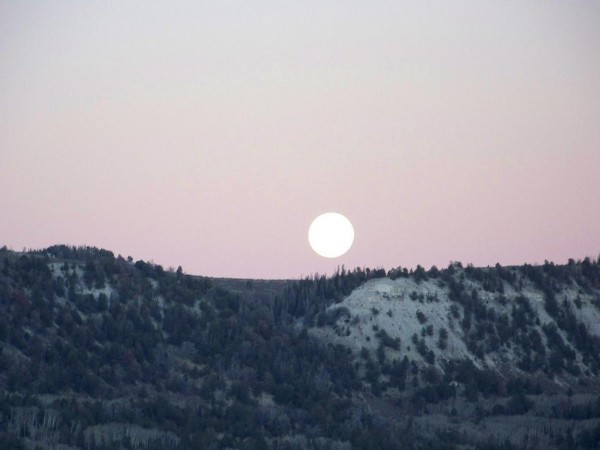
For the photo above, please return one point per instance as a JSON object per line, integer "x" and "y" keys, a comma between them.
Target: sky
{"x": 210, "y": 134}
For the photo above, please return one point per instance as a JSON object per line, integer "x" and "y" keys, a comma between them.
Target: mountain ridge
{"x": 103, "y": 352}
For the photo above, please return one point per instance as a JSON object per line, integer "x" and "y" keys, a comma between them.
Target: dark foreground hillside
{"x": 102, "y": 352}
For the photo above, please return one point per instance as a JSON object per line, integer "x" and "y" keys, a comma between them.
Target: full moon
{"x": 331, "y": 235}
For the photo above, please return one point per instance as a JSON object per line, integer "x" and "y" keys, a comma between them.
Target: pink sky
{"x": 210, "y": 134}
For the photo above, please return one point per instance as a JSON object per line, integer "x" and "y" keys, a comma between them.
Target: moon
{"x": 331, "y": 235}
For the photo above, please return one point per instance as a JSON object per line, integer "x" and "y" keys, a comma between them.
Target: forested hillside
{"x": 102, "y": 352}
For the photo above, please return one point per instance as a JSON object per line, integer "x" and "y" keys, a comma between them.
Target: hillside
{"x": 102, "y": 352}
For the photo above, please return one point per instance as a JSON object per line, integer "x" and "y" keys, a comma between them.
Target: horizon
{"x": 210, "y": 136}
{"x": 338, "y": 269}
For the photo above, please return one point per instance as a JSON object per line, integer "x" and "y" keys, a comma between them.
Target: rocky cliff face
{"x": 438, "y": 320}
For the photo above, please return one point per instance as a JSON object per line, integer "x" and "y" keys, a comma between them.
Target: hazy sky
{"x": 210, "y": 134}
